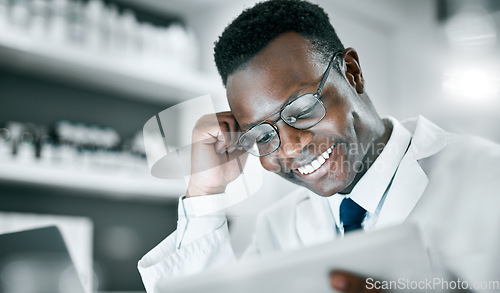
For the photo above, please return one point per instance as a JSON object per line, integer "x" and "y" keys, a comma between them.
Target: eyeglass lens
{"x": 304, "y": 112}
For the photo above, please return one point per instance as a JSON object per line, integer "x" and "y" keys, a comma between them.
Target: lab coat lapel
{"x": 314, "y": 220}
{"x": 408, "y": 186}
{"x": 410, "y": 180}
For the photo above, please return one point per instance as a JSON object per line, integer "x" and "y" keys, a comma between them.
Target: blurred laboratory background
{"x": 80, "y": 78}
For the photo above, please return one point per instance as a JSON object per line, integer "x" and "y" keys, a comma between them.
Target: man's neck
{"x": 373, "y": 151}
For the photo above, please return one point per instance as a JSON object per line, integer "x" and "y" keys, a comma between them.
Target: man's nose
{"x": 293, "y": 140}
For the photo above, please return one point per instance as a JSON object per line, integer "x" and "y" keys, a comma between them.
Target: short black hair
{"x": 256, "y": 27}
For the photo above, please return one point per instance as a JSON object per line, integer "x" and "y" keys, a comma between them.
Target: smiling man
{"x": 298, "y": 102}
{"x": 326, "y": 129}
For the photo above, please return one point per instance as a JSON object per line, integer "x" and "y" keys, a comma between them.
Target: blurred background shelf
{"x": 166, "y": 84}
{"x": 102, "y": 181}
{"x": 98, "y": 65}
{"x": 406, "y": 52}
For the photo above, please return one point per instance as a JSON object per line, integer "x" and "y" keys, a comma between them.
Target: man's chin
{"x": 326, "y": 192}
{"x": 327, "y": 187}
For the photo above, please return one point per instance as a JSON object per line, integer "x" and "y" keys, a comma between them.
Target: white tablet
{"x": 395, "y": 254}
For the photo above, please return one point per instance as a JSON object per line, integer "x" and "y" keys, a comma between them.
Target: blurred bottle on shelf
{"x": 58, "y": 28}
{"x": 14, "y": 129}
{"x": 131, "y": 38}
{"x": 65, "y": 150}
{"x": 94, "y": 27}
{"x": 48, "y": 150}
{"x": 5, "y": 144}
{"x": 94, "y": 14}
{"x": 19, "y": 15}
{"x": 3, "y": 14}
{"x": 76, "y": 23}
{"x": 39, "y": 19}
{"x": 21, "y": 141}
{"x": 26, "y": 148}
{"x": 73, "y": 146}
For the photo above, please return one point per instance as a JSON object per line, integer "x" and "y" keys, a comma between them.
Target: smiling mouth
{"x": 316, "y": 163}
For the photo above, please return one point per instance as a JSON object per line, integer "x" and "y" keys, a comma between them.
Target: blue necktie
{"x": 351, "y": 215}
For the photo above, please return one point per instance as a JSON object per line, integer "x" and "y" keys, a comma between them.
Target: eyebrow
{"x": 295, "y": 95}
{"x": 290, "y": 98}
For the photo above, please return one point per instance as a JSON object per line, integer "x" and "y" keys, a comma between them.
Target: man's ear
{"x": 353, "y": 70}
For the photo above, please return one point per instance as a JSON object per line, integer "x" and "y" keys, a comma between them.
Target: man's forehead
{"x": 258, "y": 95}
{"x": 272, "y": 77}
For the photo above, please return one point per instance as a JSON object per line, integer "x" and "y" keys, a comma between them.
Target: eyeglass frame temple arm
{"x": 325, "y": 76}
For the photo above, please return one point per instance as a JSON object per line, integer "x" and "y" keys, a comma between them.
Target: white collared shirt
{"x": 371, "y": 189}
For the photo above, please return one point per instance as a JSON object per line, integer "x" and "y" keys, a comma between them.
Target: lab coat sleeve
{"x": 201, "y": 241}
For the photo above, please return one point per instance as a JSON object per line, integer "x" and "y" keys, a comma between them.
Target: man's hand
{"x": 215, "y": 159}
{"x": 349, "y": 283}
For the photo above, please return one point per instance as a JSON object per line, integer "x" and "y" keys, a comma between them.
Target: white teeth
{"x": 316, "y": 164}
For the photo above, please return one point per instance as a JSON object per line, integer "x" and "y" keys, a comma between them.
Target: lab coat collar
{"x": 428, "y": 138}
{"x": 371, "y": 187}
{"x": 410, "y": 180}
{"x": 408, "y": 185}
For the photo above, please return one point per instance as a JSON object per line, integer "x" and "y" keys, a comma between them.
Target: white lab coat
{"x": 446, "y": 183}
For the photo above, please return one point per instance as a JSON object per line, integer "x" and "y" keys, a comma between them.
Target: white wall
{"x": 403, "y": 52}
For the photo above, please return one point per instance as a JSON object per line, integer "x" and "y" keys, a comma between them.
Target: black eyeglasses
{"x": 302, "y": 113}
